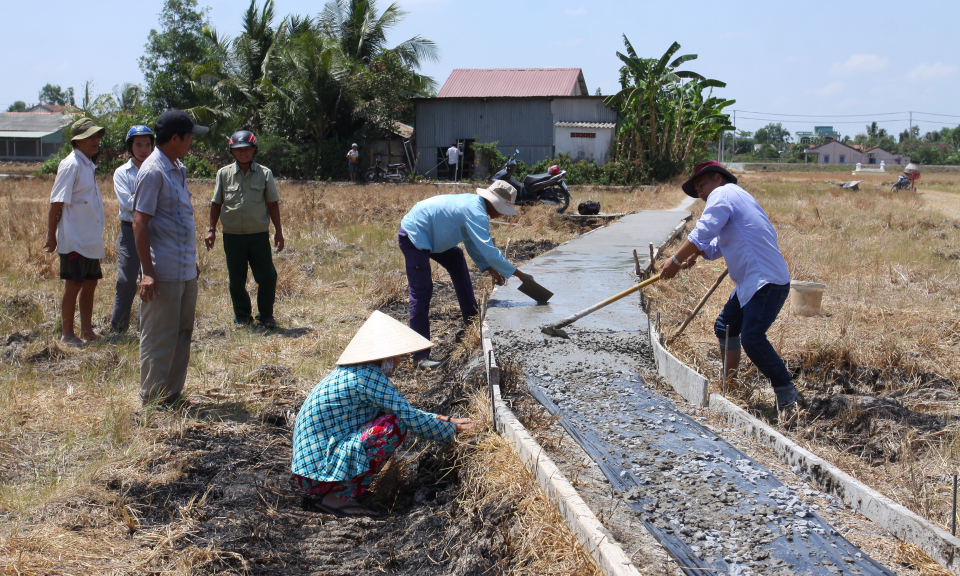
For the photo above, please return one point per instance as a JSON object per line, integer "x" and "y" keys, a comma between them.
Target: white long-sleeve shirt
{"x": 733, "y": 225}
{"x": 124, "y": 184}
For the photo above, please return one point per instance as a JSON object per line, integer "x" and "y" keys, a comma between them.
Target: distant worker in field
{"x": 75, "y": 224}
{"x": 453, "y": 158}
{"x": 735, "y": 227}
{"x": 353, "y": 162}
{"x": 432, "y": 230}
{"x": 245, "y": 200}
{"x": 354, "y": 420}
{"x": 166, "y": 236}
{"x": 139, "y": 143}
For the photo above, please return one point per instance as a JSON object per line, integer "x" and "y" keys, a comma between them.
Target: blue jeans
{"x": 749, "y": 325}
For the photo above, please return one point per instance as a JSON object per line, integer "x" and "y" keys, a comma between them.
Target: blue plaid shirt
{"x": 326, "y": 438}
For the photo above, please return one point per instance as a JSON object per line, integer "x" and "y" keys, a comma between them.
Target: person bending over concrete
{"x": 165, "y": 233}
{"x": 75, "y": 224}
{"x": 432, "y": 230}
{"x": 245, "y": 200}
{"x": 139, "y": 144}
{"x": 354, "y": 420}
{"x": 735, "y": 227}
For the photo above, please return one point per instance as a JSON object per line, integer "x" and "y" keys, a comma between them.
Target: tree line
{"x": 306, "y": 85}
{"x": 773, "y": 141}
{"x": 309, "y": 85}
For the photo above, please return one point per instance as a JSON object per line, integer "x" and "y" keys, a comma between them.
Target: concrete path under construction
{"x": 711, "y": 506}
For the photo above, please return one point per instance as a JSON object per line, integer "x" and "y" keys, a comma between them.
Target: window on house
{"x": 843, "y": 159}
{"x": 873, "y": 160}
{"x": 826, "y": 159}
{"x": 583, "y": 134}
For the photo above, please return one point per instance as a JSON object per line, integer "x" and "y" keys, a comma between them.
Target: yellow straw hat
{"x": 382, "y": 337}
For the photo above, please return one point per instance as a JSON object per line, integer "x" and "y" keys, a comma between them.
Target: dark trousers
{"x": 452, "y": 170}
{"x": 421, "y": 285}
{"x": 749, "y": 325}
{"x": 128, "y": 272}
{"x": 253, "y": 250}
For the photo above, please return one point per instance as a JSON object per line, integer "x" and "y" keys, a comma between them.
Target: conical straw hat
{"x": 382, "y": 337}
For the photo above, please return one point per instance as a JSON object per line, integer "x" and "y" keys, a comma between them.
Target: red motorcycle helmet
{"x": 554, "y": 170}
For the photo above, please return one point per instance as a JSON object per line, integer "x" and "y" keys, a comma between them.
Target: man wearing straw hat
{"x": 735, "y": 227}
{"x": 432, "y": 230}
{"x": 75, "y": 224}
{"x": 354, "y": 420}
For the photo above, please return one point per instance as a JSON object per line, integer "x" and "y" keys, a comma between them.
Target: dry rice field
{"x": 880, "y": 367}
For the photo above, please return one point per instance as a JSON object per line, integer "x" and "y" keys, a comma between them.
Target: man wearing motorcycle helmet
{"x": 245, "y": 200}
{"x": 139, "y": 144}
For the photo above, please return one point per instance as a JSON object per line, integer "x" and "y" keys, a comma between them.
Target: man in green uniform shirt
{"x": 245, "y": 201}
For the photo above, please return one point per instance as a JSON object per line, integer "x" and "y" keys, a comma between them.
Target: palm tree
{"x": 361, "y": 34}
{"x": 309, "y": 81}
{"x": 234, "y": 76}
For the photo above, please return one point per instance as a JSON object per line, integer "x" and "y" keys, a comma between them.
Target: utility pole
{"x": 911, "y": 124}
{"x": 734, "y": 134}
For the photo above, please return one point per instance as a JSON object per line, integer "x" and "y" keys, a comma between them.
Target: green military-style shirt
{"x": 244, "y": 198}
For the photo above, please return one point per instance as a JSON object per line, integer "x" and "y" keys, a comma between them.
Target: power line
{"x": 834, "y": 122}
{"x": 932, "y": 114}
{"x": 824, "y": 115}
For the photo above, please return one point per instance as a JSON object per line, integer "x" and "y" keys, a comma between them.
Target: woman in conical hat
{"x": 354, "y": 419}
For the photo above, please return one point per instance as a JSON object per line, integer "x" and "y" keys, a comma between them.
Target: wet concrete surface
{"x": 711, "y": 506}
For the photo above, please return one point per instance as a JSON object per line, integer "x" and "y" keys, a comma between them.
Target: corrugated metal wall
{"x": 524, "y": 124}
{"x": 581, "y": 110}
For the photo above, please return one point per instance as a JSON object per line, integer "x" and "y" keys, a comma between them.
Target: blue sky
{"x": 825, "y": 59}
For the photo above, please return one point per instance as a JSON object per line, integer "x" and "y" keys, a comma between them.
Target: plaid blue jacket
{"x": 326, "y": 438}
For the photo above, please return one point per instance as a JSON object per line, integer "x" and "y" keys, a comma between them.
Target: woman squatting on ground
{"x": 354, "y": 419}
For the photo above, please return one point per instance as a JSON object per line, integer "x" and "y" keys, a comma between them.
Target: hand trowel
{"x": 535, "y": 291}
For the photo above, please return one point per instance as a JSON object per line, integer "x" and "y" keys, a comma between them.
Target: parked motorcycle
{"x": 547, "y": 188}
{"x": 393, "y": 173}
{"x": 902, "y": 183}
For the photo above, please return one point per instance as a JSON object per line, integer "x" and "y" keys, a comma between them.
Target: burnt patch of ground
{"x": 217, "y": 488}
{"x": 880, "y": 416}
{"x": 523, "y": 250}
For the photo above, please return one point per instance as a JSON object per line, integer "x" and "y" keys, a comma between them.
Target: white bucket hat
{"x": 382, "y": 337}
{"x": 502, "y": 195}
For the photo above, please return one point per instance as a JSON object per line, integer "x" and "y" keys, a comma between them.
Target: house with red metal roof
{"x": 539, "y": 111}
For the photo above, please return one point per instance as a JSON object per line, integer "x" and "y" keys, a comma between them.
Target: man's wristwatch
{"x": 675, "y": 261}
{"x": 211, "y": 229}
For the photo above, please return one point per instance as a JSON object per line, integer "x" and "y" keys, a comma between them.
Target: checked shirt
{"x": 327, "y": 438}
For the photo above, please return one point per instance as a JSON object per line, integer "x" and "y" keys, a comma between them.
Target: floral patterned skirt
{"x": 381, "y": 437}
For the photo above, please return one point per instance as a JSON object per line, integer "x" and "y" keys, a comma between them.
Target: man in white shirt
{"x": 353, "y": 161}
{"x": 735, "y": 227}
{"x": 453, "y": 155}
{"x": 139, "y": 144}
{"x": 75, "y": 224}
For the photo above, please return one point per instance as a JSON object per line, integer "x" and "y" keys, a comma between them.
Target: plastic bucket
{"x": 805, "y": 297}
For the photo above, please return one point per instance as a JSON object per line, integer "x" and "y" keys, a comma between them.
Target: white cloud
{"x": 861, "y": 63}
{"x": 936, "y": 71}
{"x": 849, "y": 103}
{"x": 828, "y": 90}
{"x": 575, "y": 12}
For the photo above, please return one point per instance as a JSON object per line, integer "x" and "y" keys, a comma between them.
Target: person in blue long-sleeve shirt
{"x": 432, "y": 230}
{"x": 735, "y": 227}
